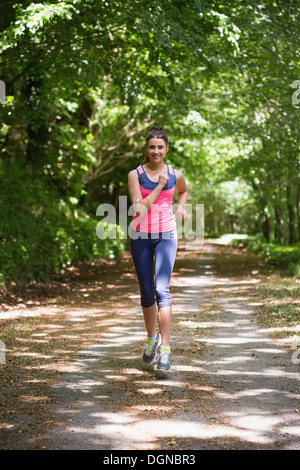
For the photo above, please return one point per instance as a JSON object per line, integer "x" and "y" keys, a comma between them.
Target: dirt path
{"x": 230, "y": 386}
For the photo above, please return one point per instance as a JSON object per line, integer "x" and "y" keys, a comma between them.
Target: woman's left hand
{"x": 181, "y": 212}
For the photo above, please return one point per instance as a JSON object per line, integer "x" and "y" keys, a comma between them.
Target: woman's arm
{"x": 142, "y": 205}
{"x": 182, "y": 194}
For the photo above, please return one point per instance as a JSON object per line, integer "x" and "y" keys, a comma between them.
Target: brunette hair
{"x": 156, "y": 132}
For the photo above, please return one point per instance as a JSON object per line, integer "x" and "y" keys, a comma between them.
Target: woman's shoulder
{"x": 132, "y": 175}
{"x": 180, "y": 179}
{"x": 178, "y": 173}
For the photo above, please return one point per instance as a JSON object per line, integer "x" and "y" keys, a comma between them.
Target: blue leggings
{"x": 157, "y": 255}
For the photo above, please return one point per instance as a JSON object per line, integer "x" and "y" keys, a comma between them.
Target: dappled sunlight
{"x": 170, "y": 402}
{"x": 150, "y": 391}
{"x": 82, "y": 365}
{"x": 197, "y": 325}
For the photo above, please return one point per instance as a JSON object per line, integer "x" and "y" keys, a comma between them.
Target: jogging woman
{"x": 153, "y": 240}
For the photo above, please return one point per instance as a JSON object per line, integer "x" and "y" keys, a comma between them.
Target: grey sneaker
{"x": 150, "y": 352}
{"x": 164, "y": 362}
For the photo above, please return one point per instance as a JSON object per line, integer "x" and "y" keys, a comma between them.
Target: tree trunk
{"x": 266, "y": 227}
{"x": 37, "y": 129}
{"x": 291, "y": 213}
{"x": 298, "y": 211}
{"x": 261, "y": 205}
{"x": 265, "y": 223}
{"x": 278, "y": 232}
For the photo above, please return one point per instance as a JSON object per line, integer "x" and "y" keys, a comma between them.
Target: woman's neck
{"x": 155, "y": 167}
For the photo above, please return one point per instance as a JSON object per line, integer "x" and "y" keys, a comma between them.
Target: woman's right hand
{"x": 162, "y": 181}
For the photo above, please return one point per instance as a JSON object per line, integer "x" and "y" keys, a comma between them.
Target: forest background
{"x": 84, "y": 81}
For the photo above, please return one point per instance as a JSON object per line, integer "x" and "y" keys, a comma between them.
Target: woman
{"x": 153, "y": 236}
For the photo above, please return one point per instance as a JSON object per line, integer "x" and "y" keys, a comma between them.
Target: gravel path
{"x": 230, "y": 387}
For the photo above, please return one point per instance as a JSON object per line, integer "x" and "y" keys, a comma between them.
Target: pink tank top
{"x": 160, "y": 218}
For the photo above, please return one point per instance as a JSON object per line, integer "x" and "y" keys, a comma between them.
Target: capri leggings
{"x": 154, "y": 253}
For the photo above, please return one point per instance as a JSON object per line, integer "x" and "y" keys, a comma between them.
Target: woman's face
{"x": 157, "y": 150}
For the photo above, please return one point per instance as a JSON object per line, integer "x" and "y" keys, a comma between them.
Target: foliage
{"x": 284, "y": 256}
{"x": 36, "y": 242}
{"x": 86, "y": 79}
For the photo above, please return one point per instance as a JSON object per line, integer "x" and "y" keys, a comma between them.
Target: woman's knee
{"x": 147, "y": 297}
{"x": 163, "y": 297}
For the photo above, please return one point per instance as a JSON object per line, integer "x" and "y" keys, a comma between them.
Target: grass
{"x": 287, "y": 257}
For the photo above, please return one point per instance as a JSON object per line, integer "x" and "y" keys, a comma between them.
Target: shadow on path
{"x": 229, "y": 388}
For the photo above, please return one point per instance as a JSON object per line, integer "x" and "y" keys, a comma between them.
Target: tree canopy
{"x": 86, "y": 79}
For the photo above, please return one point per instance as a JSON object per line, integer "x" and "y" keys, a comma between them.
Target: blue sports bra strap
{"x": 171, "y": 171}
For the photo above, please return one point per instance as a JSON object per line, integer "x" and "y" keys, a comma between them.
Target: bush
{"x": 285, "y": 256}
{"x": 36, "y": 247}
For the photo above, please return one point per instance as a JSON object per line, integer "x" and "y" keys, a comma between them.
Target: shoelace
{"x": 164, "y": 355}
{"x": 149, "y": 348}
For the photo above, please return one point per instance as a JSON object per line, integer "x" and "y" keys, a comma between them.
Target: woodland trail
{"x": 230, "y": 387}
